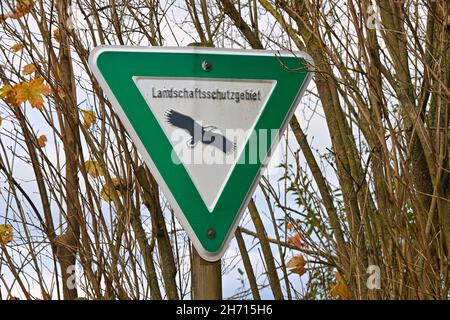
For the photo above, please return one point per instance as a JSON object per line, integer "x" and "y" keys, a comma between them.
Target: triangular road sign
{"x": 205, "y": 121}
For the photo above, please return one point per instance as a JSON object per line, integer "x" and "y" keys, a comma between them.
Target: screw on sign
{"x": 206, "y": 66}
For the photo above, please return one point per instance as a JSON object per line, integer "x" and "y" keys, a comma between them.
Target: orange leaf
{"x": 340, "y": 288}
{"x": 17, "y": 47}
{"x": 32, "y": 92}
{"x": 42, "y": 141}
{"x": 23, "y": 7}
{"x": 29, "y": 69}
{"x": 296, "y": 240}
{"x": 297, "y": 265}
{"x": 46, "y": 296}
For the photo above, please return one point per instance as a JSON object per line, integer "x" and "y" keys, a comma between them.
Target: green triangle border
{"x": 115, "y": 66}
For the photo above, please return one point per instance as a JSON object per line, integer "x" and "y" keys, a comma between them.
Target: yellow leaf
{"x": 32, "y": 92}
{"x": 5, "y": 91}
{"x": 42, "y": 141}
{"x": 3, "y": 17}
{"x": 118, "y": 184}
{"x": 94, "y": 169}
{"x": 89, "y": 118}
{"x": 6, "y": 233}
{"x": 29, "y": 69}
{"x": 340, "y": 288}
{"x": 297, "y": 265}
{"x": 1, "y": 121}
{"x": 56, "y": 35}
{"x": 17, "y": 47}
{"x": 8, "y": 93}
{"x": 22, "y": 8}
{"x": 105, "y": 194}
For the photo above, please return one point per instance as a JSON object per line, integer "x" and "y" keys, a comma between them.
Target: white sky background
{"x": 309, "y": 114}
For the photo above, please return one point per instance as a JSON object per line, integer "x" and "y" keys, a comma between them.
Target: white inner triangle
{"x": 181, "y": 104}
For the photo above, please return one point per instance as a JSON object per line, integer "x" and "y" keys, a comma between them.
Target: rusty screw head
{"x": 211, "y": 233}
{"x": 206, "y": 66}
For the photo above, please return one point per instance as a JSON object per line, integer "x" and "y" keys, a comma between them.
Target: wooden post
{"x": 206, "y": 278}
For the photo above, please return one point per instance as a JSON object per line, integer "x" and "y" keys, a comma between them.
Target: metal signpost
{"x": 205, "y": 121}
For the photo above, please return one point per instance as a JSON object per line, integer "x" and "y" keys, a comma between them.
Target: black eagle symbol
{"x": 198, "y": 133}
